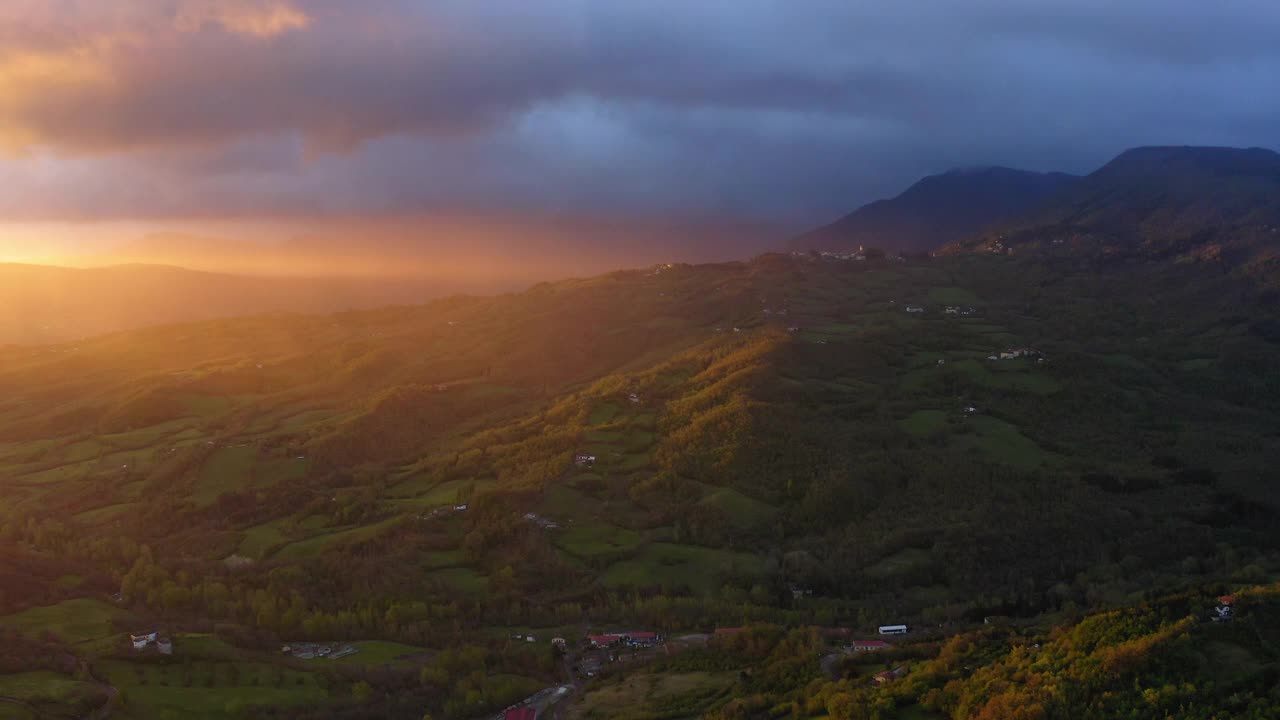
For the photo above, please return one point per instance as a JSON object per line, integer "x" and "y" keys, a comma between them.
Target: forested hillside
{"x": 1216, "y": 206}
{"x": 791, "y": 441}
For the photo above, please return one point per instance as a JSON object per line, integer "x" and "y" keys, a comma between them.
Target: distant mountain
{"x": 937, "y": 210}
{"x": 41, "y": 303}
{"x": 1186, "y": 203}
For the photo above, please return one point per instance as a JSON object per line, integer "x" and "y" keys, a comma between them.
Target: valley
{"x": 793, "y": 441}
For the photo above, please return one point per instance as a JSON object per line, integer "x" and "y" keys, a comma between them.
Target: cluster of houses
{"x": 859, "y": 255}
{"x": 626, "y": 639}
{"x": 1224, "y": 612}
{"x": 311, "y": 651}
{"x": 584, "y": 460}
{"x": 1015, "y": 353}
{"x": 144, "y": 641}
{"x": 442, "y": 511}
{"x": 545, "y": 523}
{"x": 948, "y": 310}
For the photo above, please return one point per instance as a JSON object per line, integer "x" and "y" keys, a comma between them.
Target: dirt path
{"x": 113, "y": 694}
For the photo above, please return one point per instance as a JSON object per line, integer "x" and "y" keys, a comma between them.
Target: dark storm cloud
{"x": 793, "y": 110}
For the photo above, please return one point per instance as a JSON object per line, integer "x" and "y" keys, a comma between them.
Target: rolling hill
{"x": 937, "y": 210}
{"x": 787, "y": 442}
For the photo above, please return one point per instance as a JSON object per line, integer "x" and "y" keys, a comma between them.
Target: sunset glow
{"x": 639, "y": 359}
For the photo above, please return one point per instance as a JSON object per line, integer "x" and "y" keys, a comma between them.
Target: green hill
{"x": 677, "y": 448}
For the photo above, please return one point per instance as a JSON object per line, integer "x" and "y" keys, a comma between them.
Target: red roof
{"x": 870, "y": 644}
{"x": 1227, "y": 599}
{"x": 521, "y": 713}
{"x": 604, "y": 639}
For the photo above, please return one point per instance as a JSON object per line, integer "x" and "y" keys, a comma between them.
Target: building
{"x": 884, "y": 677}
{"x": 1224, "y": 611}
{"x": 521, "y": 713}
{"x": 165, "y": 646}
{"x": 893, "y": 630}
{"x": 604, "y": 641}
{"x": 584, "y": 460}
{"x": 915, "y": 309}
{"x": 869, "y": 645}
{"x": 643, "y": 639}
{"x": 140, "y": 642}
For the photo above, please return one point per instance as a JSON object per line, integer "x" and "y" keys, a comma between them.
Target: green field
{"x": 312, "y": 546}
{"x": 227, "y": 470}
{"x": 42, "y": 687}
{"x": 1003, "y": 443}
{"x": 603, "y": 413}
{"x": 204, "y": 690}
{"x": 742, "y": 511}
{"x": 202, "y": 645}
{"x": 379, "y": 652}
{"x": 952, "y": 296}
{"x": 75, "y": 621}
{"x": 105, "y": 513}
{"x": 460, "y": 580}
{"x": 670, "y": 565}
{"x": 589, "y": 539}
{"x": 261, "y": 538}
{"x": 900, "y": 562}
{"x": 924, "y": 423}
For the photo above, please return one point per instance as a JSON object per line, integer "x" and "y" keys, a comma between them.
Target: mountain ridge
{"x": 936, "y": 209}
{"x": 1182, "y": 203}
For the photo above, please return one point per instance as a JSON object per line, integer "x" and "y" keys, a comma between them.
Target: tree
{"x": 362, "y": 691}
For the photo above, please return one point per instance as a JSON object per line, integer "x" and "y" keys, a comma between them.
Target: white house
{"x": 893, "y": 629}
{"x": 140, "y": 642}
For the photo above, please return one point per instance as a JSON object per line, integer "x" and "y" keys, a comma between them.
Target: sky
{"x": 703, "y": 128}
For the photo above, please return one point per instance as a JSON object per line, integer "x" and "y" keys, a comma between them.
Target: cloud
{"x": 259, "y": 18}
{"x": 766, "y": 108}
